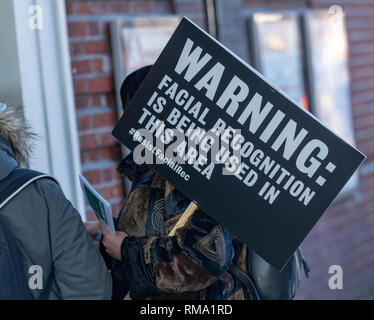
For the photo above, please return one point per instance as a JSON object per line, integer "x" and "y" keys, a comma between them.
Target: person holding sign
{"x": 235, "y": 144}
{"x": 199, "y": 260}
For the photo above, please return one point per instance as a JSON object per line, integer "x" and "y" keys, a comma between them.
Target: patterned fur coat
{"x": 195, "y": 262}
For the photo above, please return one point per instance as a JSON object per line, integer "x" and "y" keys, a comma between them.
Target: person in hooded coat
{"x": 48, "y": 230}
{"x": 203, "y": 260}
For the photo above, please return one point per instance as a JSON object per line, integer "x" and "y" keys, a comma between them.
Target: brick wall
{"x": 91, "y": 56}
{"x": 345, "y": 235}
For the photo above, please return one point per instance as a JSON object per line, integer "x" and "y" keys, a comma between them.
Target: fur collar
{"x": 16, "y": 130}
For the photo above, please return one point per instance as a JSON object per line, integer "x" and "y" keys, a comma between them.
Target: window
{"x": 279, "y": 53}
{"x": 306, "y": 55}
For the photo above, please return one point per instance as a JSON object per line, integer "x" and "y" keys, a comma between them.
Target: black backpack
{"x": 13, "y": 279}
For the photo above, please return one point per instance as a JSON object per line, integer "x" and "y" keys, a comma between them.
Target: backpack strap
{"x": 16, "y": 181}
{"x": 246, "y": 280}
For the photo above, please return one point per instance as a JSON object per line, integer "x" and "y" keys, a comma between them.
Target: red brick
{"x": 120, "y": 7}
{"x": 141, "y": 6}
{"x": 69, "y": 7}
{"x": 101, "y": 84}
{"x": 85, "y": 7}
{"x": 364, "y": 122}
{"x": 96, "y": 101}
{"x": 77, "y": 29}
{"x": 357, "y": 5}
{"x": 96, "y": 47}
{"x": 112, "y": 192}
{"x": 116, "y": 175}
{"x": 79, "y": 86}
{"x": 93, "y": 176}
{"x": 115, "y": 152}
{"x": 82, "y": 102}
{"x": 89, "y": 100}
{"x": 84, "y": 122}
{"x": 104, "y": 153}
{"x": 76, "y": 48}
{"x": 81, "y": 66}
{"x": 96, "y": 65}
{"x": 90, "y": 214}
{"x": 107, "y": 174}
{"x": 93, "y": 28}
{"x": 189, "y": 7}
{"x": 106, "y": 138}
{"x": 110, "y": 99}
{"x": 104, "y": 7}
{"x": 106, "y": 119}
{"x": 116, "y": 207}
{"x": 359, "y": 77}
{"x": 85, "y": 156}
{"x": 161, "y": 6}
{"x": 88, "y": 141}
{"x": 106, "y": 29}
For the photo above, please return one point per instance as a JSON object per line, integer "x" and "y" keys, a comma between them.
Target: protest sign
{"x": 244, "y": 152}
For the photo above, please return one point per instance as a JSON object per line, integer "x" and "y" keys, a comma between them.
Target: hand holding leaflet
{"x": 99, "y": 205}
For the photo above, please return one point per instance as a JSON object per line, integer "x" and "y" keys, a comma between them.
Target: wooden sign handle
{"x": 184, "y": 218}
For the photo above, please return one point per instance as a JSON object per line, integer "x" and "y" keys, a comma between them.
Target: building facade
{"x": 63, "y": 74}
{"x": 345, "y": 235}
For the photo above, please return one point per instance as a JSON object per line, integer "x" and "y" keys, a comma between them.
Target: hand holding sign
{"x": 240, "y": 148}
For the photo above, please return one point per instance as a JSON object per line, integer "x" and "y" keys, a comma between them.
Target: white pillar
{"x": 35, "y": 72}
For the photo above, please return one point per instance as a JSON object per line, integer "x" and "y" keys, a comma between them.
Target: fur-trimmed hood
{"x": 15, "y": 129}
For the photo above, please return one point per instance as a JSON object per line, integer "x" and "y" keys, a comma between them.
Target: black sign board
{"x": 282, "y": 166}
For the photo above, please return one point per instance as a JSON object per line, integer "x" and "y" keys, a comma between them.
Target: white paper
{"x": 99, "y": 205}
